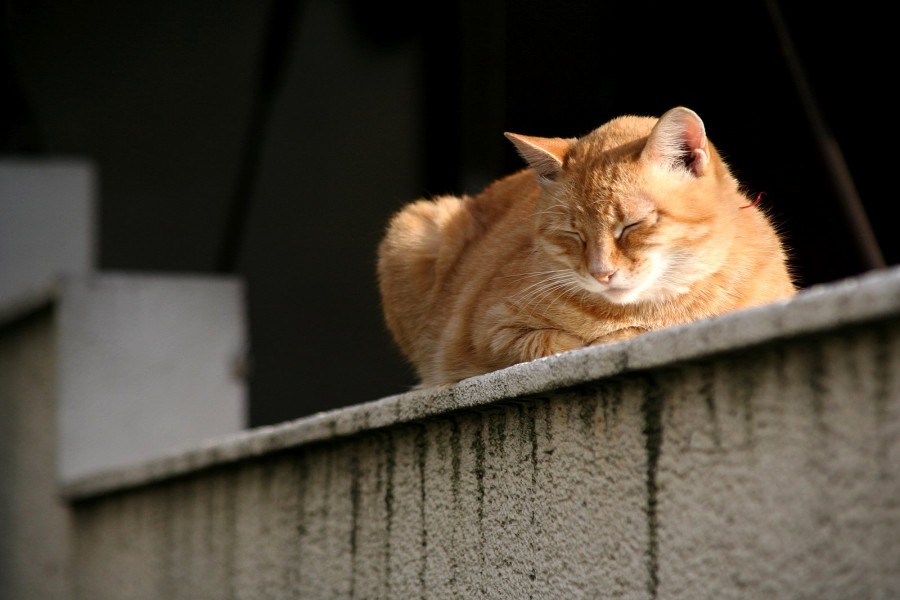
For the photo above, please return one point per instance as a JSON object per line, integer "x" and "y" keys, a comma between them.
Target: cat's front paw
{"x": 618, "y": 335}
{"x": 561, "y": 342}
{"x": 532, "y": 344}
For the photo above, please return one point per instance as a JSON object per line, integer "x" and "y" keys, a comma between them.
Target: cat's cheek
{"x": 642, "y": 283}
{"x": 676, "y": 276}
{"x": 555, "y": 250}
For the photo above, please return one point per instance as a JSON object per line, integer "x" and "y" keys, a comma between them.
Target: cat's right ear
{"x": 678, "y": 141}
{"x": 544, "y": 155}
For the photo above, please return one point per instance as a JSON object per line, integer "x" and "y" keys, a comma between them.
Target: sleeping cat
{"x": 636, "y": 226}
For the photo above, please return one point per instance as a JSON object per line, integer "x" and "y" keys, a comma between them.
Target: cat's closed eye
{"x": 626, "y": 228}
{"x": 635, "y": 223}
{"x": 575, "y": 235}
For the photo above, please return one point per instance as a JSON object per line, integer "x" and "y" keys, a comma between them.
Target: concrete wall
{"x": 752, "y": 456}
{"x": 34, "y": 518}
{"x": 102, "y": 371}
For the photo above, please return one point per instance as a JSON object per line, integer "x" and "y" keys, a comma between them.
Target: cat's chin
{"x": 621, "y": 295}
{"x": 615, "y": 294}
{"x": 637, "y": 294}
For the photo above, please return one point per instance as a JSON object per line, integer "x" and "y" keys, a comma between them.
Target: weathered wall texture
{"x": 768, "y": 472}
{"x": 34, "y": 518}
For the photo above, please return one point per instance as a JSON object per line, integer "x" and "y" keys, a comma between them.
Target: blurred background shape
{"x": 147, "y": 363}
{"x": 47, "y": 214}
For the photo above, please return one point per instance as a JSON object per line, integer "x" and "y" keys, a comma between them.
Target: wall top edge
{"x": 873, "y": 296}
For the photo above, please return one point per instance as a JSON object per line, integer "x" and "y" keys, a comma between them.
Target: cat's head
{"x": 637, "y": 210}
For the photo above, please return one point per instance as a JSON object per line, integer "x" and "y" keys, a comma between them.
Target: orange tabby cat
{"x": 636, "y": 226}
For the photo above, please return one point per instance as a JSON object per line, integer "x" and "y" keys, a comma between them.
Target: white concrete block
{"x": 148, "y": 364}
{"x": 47, "y": 228}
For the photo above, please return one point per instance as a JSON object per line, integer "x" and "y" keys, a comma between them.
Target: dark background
{"x": 274, "y": 139}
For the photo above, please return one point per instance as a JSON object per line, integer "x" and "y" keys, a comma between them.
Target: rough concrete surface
{"x": 749, "y": 457}
{"x": 34, "y": 518}
{"x": 873, "y": 297}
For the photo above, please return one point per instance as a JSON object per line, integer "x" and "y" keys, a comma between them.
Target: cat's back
{"x": 429, "y": 246}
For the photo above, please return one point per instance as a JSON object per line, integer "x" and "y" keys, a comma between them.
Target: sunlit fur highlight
{"x": 476, "y": 283}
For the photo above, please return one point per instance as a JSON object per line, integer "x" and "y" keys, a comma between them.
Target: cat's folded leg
{"x": 522, "y": 345}
{"x": 618, "y": 335}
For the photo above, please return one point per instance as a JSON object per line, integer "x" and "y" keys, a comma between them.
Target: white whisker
{"x": 557, "y": 285}
{"x": 532, "y": 273}
{"x": 535, "y": 289}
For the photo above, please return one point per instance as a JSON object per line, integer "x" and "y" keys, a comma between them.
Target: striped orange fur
{"x": 634, "y": 227}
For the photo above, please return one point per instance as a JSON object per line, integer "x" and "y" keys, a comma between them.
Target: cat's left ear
{"x": 678, "y": 141}
{"x": 544, "y": 155}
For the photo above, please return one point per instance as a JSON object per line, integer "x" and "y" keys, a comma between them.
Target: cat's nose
{"x": 603, "y": 276}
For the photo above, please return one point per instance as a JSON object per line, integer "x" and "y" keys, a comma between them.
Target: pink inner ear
{"x": 700, "y": 160}
{"x": 694, "y": 133}
{"x": 679, "y": 141}
{"x": 695, "y": 137}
